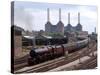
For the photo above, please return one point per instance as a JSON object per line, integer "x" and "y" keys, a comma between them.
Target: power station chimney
{"x": 59, "y": 14}
{"x": 48, "y": 14}
{"x": 68, "y": 18}
{"x": 95, "y": 29}
{"x": 79, "y": 26}
{"x": 78, "y": 18}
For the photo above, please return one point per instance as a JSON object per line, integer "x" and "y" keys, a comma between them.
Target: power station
{"x": 50, "y": 28}
{"x": 59, "y": 27}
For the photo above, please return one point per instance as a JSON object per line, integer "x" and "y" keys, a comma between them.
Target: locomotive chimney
{"x": 68, "y": 18}
{"x": 59, "y": 14}
{"x": 48, "y": 14}
{"x": 78, "y": 18}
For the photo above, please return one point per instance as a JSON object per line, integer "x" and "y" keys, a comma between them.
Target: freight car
{"x": 51, "y": 52}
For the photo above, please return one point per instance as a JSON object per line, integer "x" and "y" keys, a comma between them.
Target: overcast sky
{"x": 33, "y": 16}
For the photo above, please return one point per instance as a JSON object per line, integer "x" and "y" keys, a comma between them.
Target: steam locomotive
{"x": 52, "y": 52}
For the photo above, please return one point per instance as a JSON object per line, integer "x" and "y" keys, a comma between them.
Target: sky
{"x": 33, "y": 16}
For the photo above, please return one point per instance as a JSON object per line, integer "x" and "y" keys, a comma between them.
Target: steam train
{"x": 52, "y": 52}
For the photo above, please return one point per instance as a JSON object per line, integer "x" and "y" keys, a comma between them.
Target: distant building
{"x": 79, "y": 26}
{"x": 70, "y": 28}
{"x": 59, "y": 27}
{"x": 72, "y": 37}
{"x": 50, "y": 28}
{"x": 83, "y": 34}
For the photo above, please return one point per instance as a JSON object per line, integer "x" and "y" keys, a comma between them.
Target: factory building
{"x": 79, "y": 26}
{"x": 59, "y": 27}
{"x": 70, "y": 28}
{"x": 50, "y": 28}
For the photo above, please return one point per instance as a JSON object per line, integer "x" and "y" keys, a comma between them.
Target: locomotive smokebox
{"x": 33, "y": 53}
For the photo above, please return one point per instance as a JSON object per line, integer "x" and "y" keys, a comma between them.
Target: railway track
{"x": 75, "y": 65}
{"x": 53, "y": 63}
{"x": 20, "y": 62}
{"x": 89, "y": 64}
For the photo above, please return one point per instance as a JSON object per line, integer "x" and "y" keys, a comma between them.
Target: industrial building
{"x": 59, "y": 27}
{"x": 70, "y": 28}
{"x": 50, "y": 28}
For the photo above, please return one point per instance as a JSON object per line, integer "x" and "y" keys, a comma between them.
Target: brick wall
{"x": 17, "y": 45}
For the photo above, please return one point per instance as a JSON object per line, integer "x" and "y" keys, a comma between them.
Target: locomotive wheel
{"x": 31, "y": 61}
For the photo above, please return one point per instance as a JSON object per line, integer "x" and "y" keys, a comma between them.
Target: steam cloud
{"x": 23, "y": 18}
